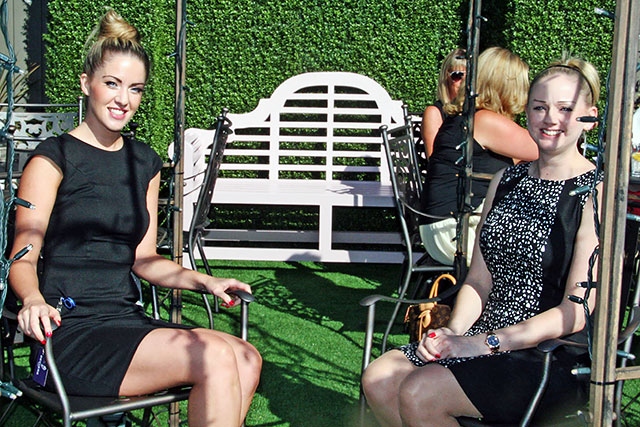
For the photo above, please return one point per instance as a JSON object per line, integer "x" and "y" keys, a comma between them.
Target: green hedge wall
{"x": 239, "y": 51}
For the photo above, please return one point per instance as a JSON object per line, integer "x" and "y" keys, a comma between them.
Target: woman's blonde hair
{"x": 571, "y": 65}
{"x": 456, "y": 59}
{"x": 502, "y": 84}
{"x": 113, "y": 34}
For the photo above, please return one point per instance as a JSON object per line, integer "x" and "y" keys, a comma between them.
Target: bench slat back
{"x": 317, "y": 126}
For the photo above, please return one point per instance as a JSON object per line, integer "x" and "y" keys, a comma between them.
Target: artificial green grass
{"x": 309, "y": 327}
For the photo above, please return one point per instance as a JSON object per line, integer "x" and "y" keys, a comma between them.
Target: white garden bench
{"x": 293, "y": 150}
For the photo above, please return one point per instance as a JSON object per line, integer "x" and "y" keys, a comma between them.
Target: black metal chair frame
{"x": 33, "y": 123}
{"x": 60, "y": 408}
{"x": 546, "y": 347}
{"x": 200, "y": 219}
{"x": 406, "y": 181}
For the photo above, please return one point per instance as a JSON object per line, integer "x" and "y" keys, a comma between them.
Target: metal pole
{"x": 469, "y": 109}
{"x": 178, "y": 167}
{"x": 614, "y": 205}
{"x": 178, "y": 170}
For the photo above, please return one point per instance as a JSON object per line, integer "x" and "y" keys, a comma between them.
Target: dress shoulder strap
{"x": 510, "y": 178}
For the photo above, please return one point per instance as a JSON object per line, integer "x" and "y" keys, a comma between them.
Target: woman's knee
{"x": 430, "y": 390}
{"x": 413, "y": 396}
{"x": 231, "y": 355}
{"x": 251, "y": 363}
{"x": 251, "y": 355}
{"x": 381, "y": 378}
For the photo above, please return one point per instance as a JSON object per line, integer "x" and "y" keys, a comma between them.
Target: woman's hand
{"x": 443, "y": 344}
{"x": 35, "y": 319}
{"x": 221, "y": 288}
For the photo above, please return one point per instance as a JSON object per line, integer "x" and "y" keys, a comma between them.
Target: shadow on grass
{"x": 309, "y": 327}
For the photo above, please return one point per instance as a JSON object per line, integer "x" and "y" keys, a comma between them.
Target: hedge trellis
{"x": 239, "y": 51}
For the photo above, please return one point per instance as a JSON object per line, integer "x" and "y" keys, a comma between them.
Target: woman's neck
{"x": 560, "y": 168}
{"x": 106, "y": 140}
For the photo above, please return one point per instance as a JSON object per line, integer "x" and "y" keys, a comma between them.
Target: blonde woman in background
{"x": 498, "y": 141}
{"x": 451, "y": 77}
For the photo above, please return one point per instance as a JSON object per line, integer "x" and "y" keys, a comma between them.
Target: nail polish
{"x": 48, "y": 334}
{"x": 43, "y": 342}
{"x": 432, "y": 335}
{"x": 438, "y": 356}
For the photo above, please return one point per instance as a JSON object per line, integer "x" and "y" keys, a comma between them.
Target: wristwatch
{"x": 493, "y": 342}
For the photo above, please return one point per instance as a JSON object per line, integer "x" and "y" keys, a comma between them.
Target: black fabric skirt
{"x": 501, "y": 386}
{"x": 93, "y": 357}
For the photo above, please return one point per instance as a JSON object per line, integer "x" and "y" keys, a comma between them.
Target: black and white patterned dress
{"x": 527, "y": 244}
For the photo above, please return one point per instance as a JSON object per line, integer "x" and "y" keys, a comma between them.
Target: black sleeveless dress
{"x": 99, "y": 218}
{"x": 527, "y": 244}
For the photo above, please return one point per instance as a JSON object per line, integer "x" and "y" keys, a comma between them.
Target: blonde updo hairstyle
{"x": 584, "y": 70}
{"x": 113, "y": 34}
{"x": 502, "y": 84}
{"x": 456, "y": 59}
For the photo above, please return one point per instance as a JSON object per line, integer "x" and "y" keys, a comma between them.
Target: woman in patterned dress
{"x": 534, "y": 246}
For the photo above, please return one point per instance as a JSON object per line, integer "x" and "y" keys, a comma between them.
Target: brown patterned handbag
{"x": 428, "y": 315}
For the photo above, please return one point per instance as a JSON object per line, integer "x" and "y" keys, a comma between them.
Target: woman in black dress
{"x": 534, "y": 245}
{"x": 450, "y": 78}
{"x": 96, "y": 198}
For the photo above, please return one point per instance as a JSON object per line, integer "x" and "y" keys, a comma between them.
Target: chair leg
{"x": 207, "y": 268}
{"x": 406, "y": 278}
{"x": 366, "y": 357}
{"x": 535, "y": 401}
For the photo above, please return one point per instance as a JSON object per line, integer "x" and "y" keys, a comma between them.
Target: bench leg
{"x": 325, "y": 227}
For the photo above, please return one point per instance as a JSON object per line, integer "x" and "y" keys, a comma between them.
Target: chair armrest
{"x": 373, "y": 299}
{"x": 244, "y": 296}
{"x": 438, "y": 217}
{"x": 547, "y": 346}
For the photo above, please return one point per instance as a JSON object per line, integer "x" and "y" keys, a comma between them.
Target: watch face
{"x": 493, "y": 341}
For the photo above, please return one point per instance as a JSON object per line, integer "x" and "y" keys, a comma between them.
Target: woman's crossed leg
{"x": 402, "y": 394}
{"x": 223, "y": 370}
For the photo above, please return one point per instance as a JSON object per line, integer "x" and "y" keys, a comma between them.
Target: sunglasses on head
{"x": 456, "y": 76}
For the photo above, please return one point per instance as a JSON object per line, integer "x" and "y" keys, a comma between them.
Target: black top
{"x": 98, "y": 219}
{"x": 440, "y": 188}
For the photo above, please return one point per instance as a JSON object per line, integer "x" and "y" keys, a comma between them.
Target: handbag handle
{"x": 434, "y": 288}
